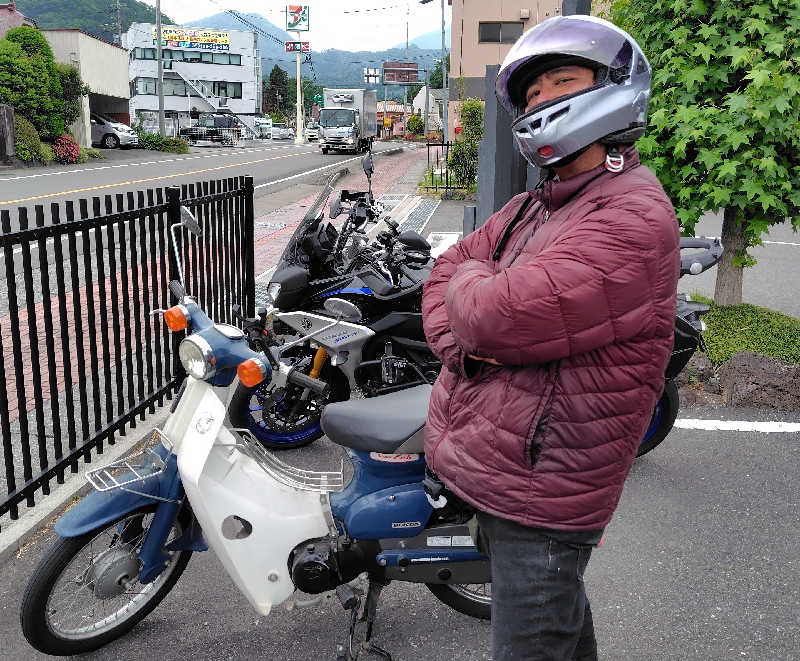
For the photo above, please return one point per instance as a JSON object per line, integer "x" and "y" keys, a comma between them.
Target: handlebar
{"x": 697, "y": 262}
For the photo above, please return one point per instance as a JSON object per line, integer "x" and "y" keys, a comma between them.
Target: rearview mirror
{"x": 336, "y": 205}
{"x": 369, "y": 168}
{"x": 190, "y": 222}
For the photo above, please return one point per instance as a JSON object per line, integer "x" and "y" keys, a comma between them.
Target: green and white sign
{"x": 297, "y": 18}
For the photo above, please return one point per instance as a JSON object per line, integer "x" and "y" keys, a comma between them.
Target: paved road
{"x": 268, "y": 161}
{"x": 700, "y": 563}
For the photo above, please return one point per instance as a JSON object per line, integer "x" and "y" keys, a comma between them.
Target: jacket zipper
{"x": 544, "y": 415}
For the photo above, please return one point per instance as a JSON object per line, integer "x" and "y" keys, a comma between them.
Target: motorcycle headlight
{"x": 273, "y": 291}
{"x": 197, "y": 357}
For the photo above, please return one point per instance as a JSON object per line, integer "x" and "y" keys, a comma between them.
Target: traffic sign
{"x": 387, "y": 122}
{"x": 318, "y": 99}
{"x": 298, "y": 46}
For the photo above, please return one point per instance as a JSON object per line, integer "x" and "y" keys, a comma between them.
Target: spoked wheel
{"x": 663, "y": 419}
{"x": 280, "y": 419}
{"x": 473, "y": 599}
{"x": 85, "y": 592}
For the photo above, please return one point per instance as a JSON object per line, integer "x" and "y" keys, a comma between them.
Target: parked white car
{"x": 280, "y": 131}
{"x": 110, "y": 133}
{"x": 311, "y": 131}
{"x": 264, "y": 127}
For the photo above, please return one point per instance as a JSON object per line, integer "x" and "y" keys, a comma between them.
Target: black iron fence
{"x": 439, "y": 176}
{"x": 83, "y": 355}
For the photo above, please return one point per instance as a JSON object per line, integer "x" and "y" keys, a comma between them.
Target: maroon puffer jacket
{"x": 579, "y": 307}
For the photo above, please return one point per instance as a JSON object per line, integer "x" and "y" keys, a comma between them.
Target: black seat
{"x": 377, "y": 424}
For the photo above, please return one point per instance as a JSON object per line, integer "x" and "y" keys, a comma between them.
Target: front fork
{"x": 319, "y": 361}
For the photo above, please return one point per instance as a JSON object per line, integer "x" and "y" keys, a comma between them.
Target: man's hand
{"x": 485, "y": 360}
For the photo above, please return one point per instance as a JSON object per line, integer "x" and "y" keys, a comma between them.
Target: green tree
{"x": 416, "y": 125}
{"x": 276, "y": 91}
{"x": 724, "y": 116}
{"x": 309, "y": 90}
{"x": 436, "y": 74}
{"x": 463, "y": 158}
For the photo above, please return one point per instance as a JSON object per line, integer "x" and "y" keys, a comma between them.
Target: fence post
{"x": 173, "y": 217}
{"x": 249, "y": 248}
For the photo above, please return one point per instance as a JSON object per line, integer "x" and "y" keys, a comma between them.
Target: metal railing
{"x": 82, "y": 354}
{"x": 438, "y": 176}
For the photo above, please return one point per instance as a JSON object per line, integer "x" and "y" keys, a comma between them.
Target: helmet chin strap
{"x": 569, "y": 159}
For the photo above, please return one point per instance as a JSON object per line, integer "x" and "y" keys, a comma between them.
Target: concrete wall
{"x": 242, "y": 43}
{"x": 103, "y": 67}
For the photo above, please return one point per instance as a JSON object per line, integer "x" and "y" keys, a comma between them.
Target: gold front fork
{"x": 319, "y": 361}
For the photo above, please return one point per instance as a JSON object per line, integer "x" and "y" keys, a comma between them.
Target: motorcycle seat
{"x": 379, "y": 424}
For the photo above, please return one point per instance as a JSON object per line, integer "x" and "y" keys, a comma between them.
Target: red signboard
{"x": 400, "y": 72}
{"x": 298, "y": 46}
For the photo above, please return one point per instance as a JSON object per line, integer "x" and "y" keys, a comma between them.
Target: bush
{"x": 472, "y": 119}
{"x": 416, "y": 125}
{"x": 83, "y": 155}
{"x": 27, "y": 143}
{"x": 463, "y": 162}
{"x": 46, "y": 154}
{"x": 66, "y": 150}
{"x": 750, "y": 328}
{"x": 155, "y": 142}
{"x": 94, "y": 153}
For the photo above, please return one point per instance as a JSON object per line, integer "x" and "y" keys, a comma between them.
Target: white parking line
{"x": 765, "y": 427}
{"x": 782, "y": 243}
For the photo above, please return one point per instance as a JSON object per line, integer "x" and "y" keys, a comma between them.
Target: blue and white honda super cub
{"x": 278, "y": 530}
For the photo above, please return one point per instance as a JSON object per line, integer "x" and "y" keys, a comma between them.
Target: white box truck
{"x": 348, "y": 120}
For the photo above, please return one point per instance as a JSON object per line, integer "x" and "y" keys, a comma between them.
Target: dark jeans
{"x": 539, "y": 607}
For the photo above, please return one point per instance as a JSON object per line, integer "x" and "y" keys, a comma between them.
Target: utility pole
{"x": 119, "y": 24}
{"x": 405, "y": 89}
{"x": 427, "y": 96}
{"x": 160, "y": 80}
{"x": 298, "y": 137}
{"x": 445, "y": 91}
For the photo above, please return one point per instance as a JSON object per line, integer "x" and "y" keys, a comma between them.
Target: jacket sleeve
{"x": 593, "y": 286}
{"x": 474, "y": 246}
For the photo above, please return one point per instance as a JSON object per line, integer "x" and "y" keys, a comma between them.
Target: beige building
{"x": 103, "y": 67}
{"x": 482, "y": 34}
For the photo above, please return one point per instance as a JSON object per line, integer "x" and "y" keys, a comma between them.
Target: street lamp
{"x": 445, "y": 94}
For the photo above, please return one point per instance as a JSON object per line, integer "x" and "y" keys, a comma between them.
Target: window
{"x": 206, "y": 57}
{"x": 174, "y": 87}
{"x": 235, "y": 90}
{"x": 191, "y": 56}
{"x": 236, "y": 59}
{"x": 221, "y": 58}
{"x": 499, "y": 33}
{"x": 145, "y": 53}
{"x": 145, "y": 86}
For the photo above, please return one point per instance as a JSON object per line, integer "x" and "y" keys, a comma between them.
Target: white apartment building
{"x": 205, "y": 70}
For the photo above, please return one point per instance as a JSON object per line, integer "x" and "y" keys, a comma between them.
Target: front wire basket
{"x": 290, "y": 476}
{"x": 132, "y": 469}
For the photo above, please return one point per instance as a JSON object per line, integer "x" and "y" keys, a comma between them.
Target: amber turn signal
{"x": 177, "y": 318}
{"x": 251, "y": 372}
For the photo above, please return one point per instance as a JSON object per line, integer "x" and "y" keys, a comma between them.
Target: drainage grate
{"x": 390, "y": 201}
{"x": 420, "y": 216}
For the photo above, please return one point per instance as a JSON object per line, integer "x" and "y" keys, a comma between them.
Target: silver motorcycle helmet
{"x": 612, "y": 111}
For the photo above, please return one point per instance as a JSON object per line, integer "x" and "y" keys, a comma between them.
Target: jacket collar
{"x": 554, "y": 194}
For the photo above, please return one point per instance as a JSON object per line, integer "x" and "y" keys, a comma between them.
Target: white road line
{"x": 739, "y": 425}
{"x": 139, "y": 163}
{"x": 324, "y": 167}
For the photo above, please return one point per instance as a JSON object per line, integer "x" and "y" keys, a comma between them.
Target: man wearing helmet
{"x": 555, "y": 323}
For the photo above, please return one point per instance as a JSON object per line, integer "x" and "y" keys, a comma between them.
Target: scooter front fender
{"x": 99, "y": 508}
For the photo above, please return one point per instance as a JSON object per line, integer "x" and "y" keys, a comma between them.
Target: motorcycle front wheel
{"x": 473, "y": 599}
{"x": 663, "y": 419}
{"x": 279, "y": 419}
{"x": 85, "y": 592}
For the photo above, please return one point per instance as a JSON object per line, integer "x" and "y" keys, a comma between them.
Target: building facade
{"x": 10, "y": 17}
{"x": 103, "y": 67}
{"x": 483, "y": 33}
{"x": 205, "y": 70}
{"x": 434, "y": 107}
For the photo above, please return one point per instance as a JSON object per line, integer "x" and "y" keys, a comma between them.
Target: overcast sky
{"x": 342, "y": 24}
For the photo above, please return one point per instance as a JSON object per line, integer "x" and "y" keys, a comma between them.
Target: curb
{"x": 17, "y": 534}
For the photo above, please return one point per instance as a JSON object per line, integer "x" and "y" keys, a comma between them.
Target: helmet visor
{"x": 583, "y": 38}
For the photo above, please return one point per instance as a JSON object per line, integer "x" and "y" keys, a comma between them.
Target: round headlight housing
{"x": 197, "y": 357}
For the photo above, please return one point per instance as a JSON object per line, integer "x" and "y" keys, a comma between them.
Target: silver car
{"x": 280, "y": 131}
{"x": 110, "y": 133}
{"x": 311, "y": 131}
